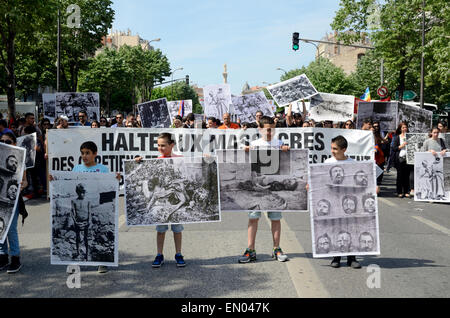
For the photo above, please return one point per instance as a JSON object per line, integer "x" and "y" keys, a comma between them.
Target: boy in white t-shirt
{"x": 338, "y": 148}
{"x": 267, "y": 131}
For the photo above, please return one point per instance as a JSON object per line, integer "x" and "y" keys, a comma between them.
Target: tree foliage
{"x": 178, "y": 91}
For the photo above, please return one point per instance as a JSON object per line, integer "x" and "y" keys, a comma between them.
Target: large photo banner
{"x": 431, "y": 177}
{"x": 344, "y": 209}
{"x": 154, "y": 114}
{"x": 84, "y": 219}
{"x": 217, "y": 100}
{"x": 28, "y": 142}
{"x": 179, "y": 107}
{"x": 246, "y": 106}
{"x": 292, "y": 90}
{"x": 171, "y": 191}
{"x": 49, "y": 105}
{"x": 383, "y": 112}
{"x": 12, "y": 166}
{"x": 263, "y": 180}
{"x": 414, "y": 143}
{"x": 70, "y": 104}
{"x": 118, "y": 144}
{"x": 332, "y": 107}
{"x": 419, "y": 120}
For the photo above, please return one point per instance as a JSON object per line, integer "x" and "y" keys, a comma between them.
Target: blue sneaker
{"x": 159, "y": 260}
{"x": 180, "y": 260}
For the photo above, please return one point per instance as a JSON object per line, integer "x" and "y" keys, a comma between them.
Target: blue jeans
{"x": 12, "y": 239}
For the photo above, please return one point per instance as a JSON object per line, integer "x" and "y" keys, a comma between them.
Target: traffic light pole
{"x": 339, "y": 43}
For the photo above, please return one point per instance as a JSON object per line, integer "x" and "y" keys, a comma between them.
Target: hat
{"x": 64, "y": 117}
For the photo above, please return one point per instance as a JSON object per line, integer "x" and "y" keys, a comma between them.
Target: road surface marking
{"x": 432, "y": 224}
{"x": 122, "y": 220}
{"x": 302, "y": 273}
{"x": 386, "y": 201}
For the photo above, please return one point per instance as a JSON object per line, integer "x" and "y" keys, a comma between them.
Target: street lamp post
{"x": 155, "y": 40}
{"x": 178, "y": 69}
{"x": 317, "y": 48}
{"x": 422, "y": 61}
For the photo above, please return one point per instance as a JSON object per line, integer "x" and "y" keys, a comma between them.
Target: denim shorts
{"x": 273, "y": 216}
{"x": 176, "y": 228}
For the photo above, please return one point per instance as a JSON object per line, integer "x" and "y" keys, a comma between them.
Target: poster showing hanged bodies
{"x": 344, "y": 209}
{"x": 263, "y": 180}
{"x": 70, "y": 104}
{"x": 217, "y": 100}
{"x": 292, "y": 90}
{"x": 154, "y": 114}
{"x": 414, "y": 143}
{"x": 28, "y": 142}
{"x": 84, "y": 219}
{"x": 246, "y": 106}
{"x": 12, "y": 166}
{"x": 179, "y": 107}
{"x": 419, "y": 120}
{"x": 332, "y": 107}
{"x": 171, "y": 190}
{"x": 431, "y": 177}
{"x": 383, "y": 112}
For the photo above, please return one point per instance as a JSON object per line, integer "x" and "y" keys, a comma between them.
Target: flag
{"x": 366, "y": 96}
{"x": 181, "y": 108}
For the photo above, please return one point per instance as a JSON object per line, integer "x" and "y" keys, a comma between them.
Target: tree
{"x": 178, "y": 91}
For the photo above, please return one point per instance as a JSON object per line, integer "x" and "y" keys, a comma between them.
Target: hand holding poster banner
{"x": 333, "y": 107}
{"x": 84, "y": 219}
{"x": 344, "y": 209}
{"x": 292, "y": 90}
{"x": 12, "y": 166}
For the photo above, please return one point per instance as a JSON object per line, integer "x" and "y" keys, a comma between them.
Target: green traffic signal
{"x": 295, "y": 41}
{"x": 295, "y": 47}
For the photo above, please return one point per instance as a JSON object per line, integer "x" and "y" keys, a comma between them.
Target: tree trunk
{"x": 10, "y": 72}
{"x": 401, "y": 87}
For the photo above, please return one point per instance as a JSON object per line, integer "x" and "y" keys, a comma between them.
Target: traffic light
{"x": 187, "y": 79}
{"x": 295, "y": 40}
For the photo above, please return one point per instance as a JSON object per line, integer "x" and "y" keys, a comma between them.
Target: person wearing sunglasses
{"x": 11, "y": 246}
{"x": 103, "y": 122}
{"x": 83, "y": 119}
{"x": 119, "y": 121}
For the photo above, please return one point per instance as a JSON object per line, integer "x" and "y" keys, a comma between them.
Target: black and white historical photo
{"x": 179, "y": 107}
{"x": 429, "y": 178}
{"x": 419, "y": 120}
{"x": 246, "y": 106}
{"x": 84, "y": 219}
{"x": 292, "y": 90}
{"x": 446, "y": 174}
{"x": 217, "y": 100}
{"x": 263, "y": 180}
{"x": 70, "y": 104}
{"x": 12, "y": 165}
{"x": 49, "y": 104}
{"x": 343, "y": 205}
{"x": 154, "y": 114}
{"x": 383, "y": 112}
{"x": 29, "y": 143}
{"x": 332, "y": 107}
{"x": 170, "y": 191}
{"x": 414, "y": 143}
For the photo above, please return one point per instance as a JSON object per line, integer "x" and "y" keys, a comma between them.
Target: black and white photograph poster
{"x": 171, "y": 190}
{"x": 419, "y": 120}
{"x": 70, "y": 104}
{"x": 332, "y": 107}
{"x": 292, "y": 90}
{"x": 12, "y": 165}
{"x": 263, "y": 180}
{"x": 84, "y": 219}
{"x": 447, "y": 174}
{"x": 154, "y": 114}
{"x": 430, "y": 176}
{"x": 383, "y": 112}
{"x": 344, "y": 209}
{"x": 246, "y": 106}
{"x": 29, "y": 143}
{"x": 217, "y": 100}
{"x": 414, "y": 143}
{"x": 179, "y": 107}
{"x": 49, "y": 102}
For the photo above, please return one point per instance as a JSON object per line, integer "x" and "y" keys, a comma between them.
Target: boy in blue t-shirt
{"x": 88, "y": 153}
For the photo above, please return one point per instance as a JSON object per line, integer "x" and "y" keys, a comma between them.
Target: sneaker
{"x": 336, "y": 262}
{"x": 352, "y": 262}
{"x": 102, "y": 269}
{"x": 180, "y": 261}
{"x": 159, "y": 260}
{"x": 249, "y": 256}
{"x": 4, "y": 261}
{"x": 15, "y": 265}
{"x": 278, "y": 254}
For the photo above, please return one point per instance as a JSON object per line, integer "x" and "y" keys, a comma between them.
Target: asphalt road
{"x": 414, "y": 260}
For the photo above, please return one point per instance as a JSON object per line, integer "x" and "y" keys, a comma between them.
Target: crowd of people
{"x": 389, "y": 151}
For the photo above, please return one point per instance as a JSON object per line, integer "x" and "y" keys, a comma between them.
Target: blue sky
{"x": 252, "y": 37}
